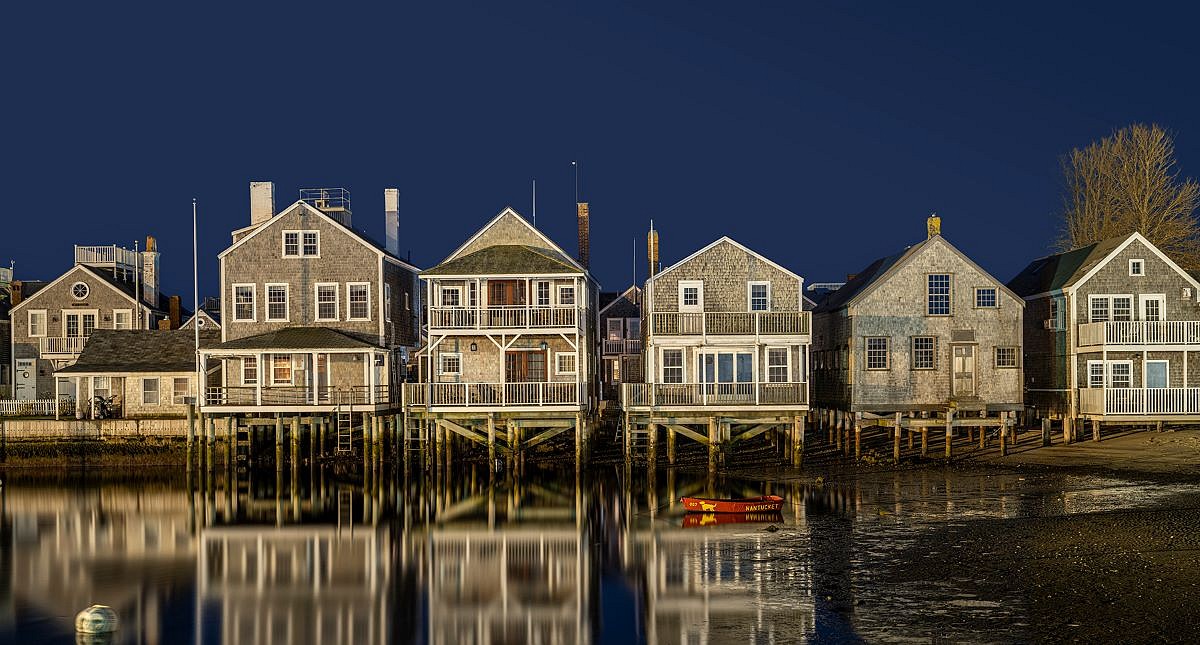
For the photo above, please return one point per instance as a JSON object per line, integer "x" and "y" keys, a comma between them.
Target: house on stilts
{"x": 923, "y": 338}
{"x": 620, "y": 342}
{"x": 510, "y": 359}
{"x": 1112, "y": 336}
{"x": 726, "y": 353}
{"x": 317, "y": 322}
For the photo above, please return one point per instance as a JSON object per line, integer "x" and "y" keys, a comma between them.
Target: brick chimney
{"x": 15, "y": 293}
{"x": 391, "y": 217}
{"x": 584, "y": 234}
{"x": 262, "y": 201}
{"x": 652, "y": 251}
{"x": 150, "y": 259}
{"x": 174, "y": 312}
{"x": 933, "y": 225}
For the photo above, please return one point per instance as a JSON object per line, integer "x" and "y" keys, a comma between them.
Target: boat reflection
{"x": 698, "y": 520}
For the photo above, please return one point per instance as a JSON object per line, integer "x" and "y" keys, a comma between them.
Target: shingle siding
{"x": 725, "y": 270}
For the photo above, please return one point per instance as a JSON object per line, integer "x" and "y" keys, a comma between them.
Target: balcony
{"x": 62, "y": 346}
{"x": 493, "y": 395}
{"x": 1139, "y": 401}
{"x": 730, "y": 323}
{"x": 628, "y": 346}
{"x": 1140, "y": 332}
{"x": 505, "y": 317}
{"x": 111, "y": 256}
{"x": 301, "y": 396}
{"x": 721, "y": 395}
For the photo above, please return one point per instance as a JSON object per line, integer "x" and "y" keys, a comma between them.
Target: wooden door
{"x": 525, "y": 367}
{"x": 503, "y": 292}
{"x": 964, "y": 370}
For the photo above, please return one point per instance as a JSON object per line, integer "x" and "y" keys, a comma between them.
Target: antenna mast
{"x": 535, "y": 202}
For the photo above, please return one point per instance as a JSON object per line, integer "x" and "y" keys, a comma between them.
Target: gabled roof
{"x": 729, "y": 240}
{"x": 361, "y": 237}
{"x": 615, "y": 300}
{"x": 878, "y": 271}
{"x": 140, "y": 350}
{"x": 212, "y": 320}
{"x": 1071, "y": 269}
{"x": 298, "y": 338}
{"x": 125, "y": 288}
{"x": 509, "y": 212}
{"x": 505, "y": 259}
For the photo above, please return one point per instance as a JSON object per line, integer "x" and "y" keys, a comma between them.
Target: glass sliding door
{"x": 727, "y": 375}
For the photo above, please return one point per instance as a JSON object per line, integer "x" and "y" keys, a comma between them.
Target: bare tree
{"x": 1128, "y": 182}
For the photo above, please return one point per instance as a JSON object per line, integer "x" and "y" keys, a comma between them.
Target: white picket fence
{"x": 38, "y": 408}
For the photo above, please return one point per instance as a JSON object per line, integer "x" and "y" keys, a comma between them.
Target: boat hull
{"x": 765, "y": 504}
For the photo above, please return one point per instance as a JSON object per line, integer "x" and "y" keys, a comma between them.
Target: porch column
{"x": 259, "y": 374}
{"x": 92, "y": 395}
{"x": 79, "y": 393}
{"x": 314, "y": 378}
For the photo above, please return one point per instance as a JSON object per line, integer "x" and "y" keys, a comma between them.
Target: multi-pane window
{"x": 777, "y": 365}
{"x": 566, "y": 294}
{"x": 243, "y": 302}
{"x": 1137, "y": 267}
{"x": 1056, "y": 313}
{"x": 615, "y": 328}
{"x": 37, "y": 323}
{"x": 1099, "y": 310}
{"x": 1105, "y": 308}
{"x": 1152, "y": 309}
{"x": 691, "y": 295}
{"x": 472, "y": 295}
{"x": 359, "y": 301}
{"x": 1121, "y": 375}
{"x": 1095, "y": 374}
{"x": 180, "y": 390}
{"x": 122, "y": 319}
{"x": 1122, "y": 308}
{"x": 281, "y": 369}
{"x": 924, "y": 353}
{"x": 1006, "y": 357}
{"x": 150, "y": 391}
{"x": 760, "y": 296}
{"x": 250, "y": 370}
{"x": 451, "y": 297}
{"x": 387, "y": 301}
{"x": 985, "y": 297}
{"x": 564, "y": 363}
{"x": 327, "y": 301}
{"x": 877, "y": 353}
{"x": 291, "y": 244}
{"x": 541, "y": 293}
{"x": 450, "y": 363}
{"x": 301, "y": 244}
{"x": 938, "y": 294}
{"x": 312, "y": 243}
{"x": 277, "y": 302}
{"x": 672, "y": 366}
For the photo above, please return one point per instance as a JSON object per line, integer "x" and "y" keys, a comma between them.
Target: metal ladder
{"x": 345, "y": 428}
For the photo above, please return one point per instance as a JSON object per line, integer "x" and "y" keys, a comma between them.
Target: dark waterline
{"x": 603, "y": 557}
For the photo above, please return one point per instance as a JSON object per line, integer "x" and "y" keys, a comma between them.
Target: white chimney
{"x": 150, "y": 272}
{"x": 391, "y": 213}
{"x": 262, "y": 201}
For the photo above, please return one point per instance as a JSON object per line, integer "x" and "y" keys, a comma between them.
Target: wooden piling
{"x": 713, "y": 446}
{"x": 798, "y": 442}
{"x": 670, "y": 446}
{"x": 949, "y": 434}
{"x": 191, "y": 433}
{"x": 896, "y": 438}
{"x": 1045, "y": 431}
{"x": 209, "y": 439}
{"x": 651, "y": 445}
{"x": 1068, "y": 428}
{"x": 230, "y": 442}
{"x": 1095, "y": 430}
{"x": 278, "y": 446}
{"x": 858, "y": 435}
{"x": 924, "y": 441}
{"x": 1004, "y": 430}
{"x": 491, "y": 427}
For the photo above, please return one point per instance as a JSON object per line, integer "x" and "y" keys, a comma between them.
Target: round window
{"x": 79, "y": 290}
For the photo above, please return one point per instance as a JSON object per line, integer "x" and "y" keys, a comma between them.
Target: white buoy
{"x": 97, "y": 619}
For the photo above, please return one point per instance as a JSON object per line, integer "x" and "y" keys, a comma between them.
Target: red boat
{"x": 765, "y": 504}
{"x": 697, "y": 520}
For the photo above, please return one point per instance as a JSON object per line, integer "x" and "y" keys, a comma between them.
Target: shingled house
{"x": 1112, "y": 335}
{"x": 917, "y": 334}
{"x": 146, "y": 373}
{"x": 620, "y": 333}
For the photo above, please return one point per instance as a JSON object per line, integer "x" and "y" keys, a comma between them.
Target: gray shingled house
{"x": 148, "y": 373}
{"x": 1112, "y": 335}
{"x": 920, "y": 333}
{"x": 620, "y": 334}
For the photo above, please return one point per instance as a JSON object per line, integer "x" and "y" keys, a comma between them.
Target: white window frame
{"x": 750, "y": 291}
{"x": 157, "y": 390}
{"x": 87, "y": 290}
{"x": 1109, "y": 299}
{"x": 337, "y": 301}
{"x": 949, "y": 295}
{"x": 887, "y": 353}
{"x": 537, "y": 293}
{"x": 1058, "y": 312}
{"x": 1146, "y": 371}
{"x": 558, "y": 292}
{"x": 249, "y": 381}
{"x": 996, "y": 357}
{"x": 932, "y": 350}
{"x": 1112, "y": 364}
{"x": 995, "y": 298}
{"x": 699, "y": 286}
{"x": 1140, "y": 264}
{"x": 442, "y": 363}
{"x": 1160, "y": 298}
{"x": 287, "y": 302}
{"x": 253, "y": 302}
{"x": 299, "y": 243}
{"x": 187, "y": 390}
{"x": 787, "y": 353}
{"x": 45, "y": 321}
{"x": 1108, "y": 372}
{"x": 620, "y": 329}
{"x": 1091, "y": 374}
{"x": 291, "y": 379}
{"x": 350, "y": 305}
{"x": 662, "y": 365}
{"x": 442, "y": 296}
{"x": 387, "y": 302}
{"x": 558, "y": 356}
{"x": 129, "y": 321}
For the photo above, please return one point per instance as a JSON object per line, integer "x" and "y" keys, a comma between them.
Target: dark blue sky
{"x": 821, "y": 137}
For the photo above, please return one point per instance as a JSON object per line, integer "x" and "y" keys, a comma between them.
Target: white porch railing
{"x": 465, "y": 395}
{"x": 504, "y": 317}
{"x": 62, "y": 345}
{"x": 299, "y": 395}
{"x": 712, "y": 394}
{"x": 111, "y": 256}
{"x": 1139, "y": 400}
{"x": 628, "y": 346}
{"x": 730, "y": 323}
{"x": 1140, "y": 332}
{"x": 34, "y": 408}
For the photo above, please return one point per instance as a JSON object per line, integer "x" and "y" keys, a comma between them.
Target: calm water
{"x": 549, "y": 559}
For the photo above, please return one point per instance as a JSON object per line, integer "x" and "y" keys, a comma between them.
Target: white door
{"x": 964, "y": 370}
{"x": 1154, "y": 307}
{"x": 25, "y": 380}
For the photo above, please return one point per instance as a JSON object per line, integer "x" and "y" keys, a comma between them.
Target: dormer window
{"x": 301, "y": 244}
{"x": 1137, "y": 267}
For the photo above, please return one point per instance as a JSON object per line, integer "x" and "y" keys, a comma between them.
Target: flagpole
{"x": 196, "y": 307}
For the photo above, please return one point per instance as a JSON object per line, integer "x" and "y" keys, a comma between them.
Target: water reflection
{"x": 323, "y": 555}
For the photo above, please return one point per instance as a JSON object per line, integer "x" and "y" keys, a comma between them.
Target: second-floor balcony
{"x": 1139, "y": 401}
{"x": 622, "y": 346}
{"x": 301, "y": 395}
{"x": 730, "y": 323}
{"x": 707, "y": 395}
{"x": 494, "y": 395}
{"x": 505, "y": 317}
{"x": 1140, "y": 332}
{"x": 62, "y": 346}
